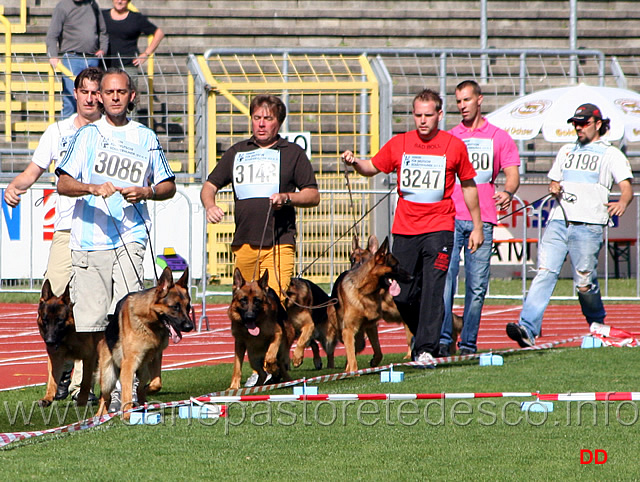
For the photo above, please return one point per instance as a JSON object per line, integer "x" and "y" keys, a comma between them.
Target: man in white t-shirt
{"x": 581, "y": 179}
{"x": 52, "y": 147}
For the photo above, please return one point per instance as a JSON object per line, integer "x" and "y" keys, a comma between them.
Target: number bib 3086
{"x": 122, "y": 163}
{"x": 256, "y": 173}
{"x": 481, "y": 157}
{"x": 422, "y": 178}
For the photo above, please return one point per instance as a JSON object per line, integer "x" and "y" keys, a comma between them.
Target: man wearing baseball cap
{"x": 582, "y": 176}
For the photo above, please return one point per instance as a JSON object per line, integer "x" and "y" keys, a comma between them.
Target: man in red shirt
{"x": 427, "y": 162}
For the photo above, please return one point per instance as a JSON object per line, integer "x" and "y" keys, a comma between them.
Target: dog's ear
{"x": 264, "y": 281}
{"x": 238, "y": 280}
{"x": 165, "y": 283}
{"x": 355, "y": 243}
{"x": 46, "y": 293}
{"x": 66, "y": 296}
{"x": 183, "y": 282}
{"x": 381, "y": 253}
{"x": 372, "y": 244}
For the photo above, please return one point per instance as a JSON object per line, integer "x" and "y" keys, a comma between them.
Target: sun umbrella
{"x": 549, "y": 110}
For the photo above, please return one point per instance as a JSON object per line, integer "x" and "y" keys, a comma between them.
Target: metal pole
{"x": 573, "y": 39}
{"x": 483, "y": 41}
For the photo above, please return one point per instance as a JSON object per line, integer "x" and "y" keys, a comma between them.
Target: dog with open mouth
{"x": 260, "y": 329}
{"x": 137, "y": 334}
{"x": 361, "y": 293}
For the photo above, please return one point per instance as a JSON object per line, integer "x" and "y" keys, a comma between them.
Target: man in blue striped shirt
{"x": 112, "y": 167}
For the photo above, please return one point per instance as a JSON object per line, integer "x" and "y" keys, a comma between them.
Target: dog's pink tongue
{"x": 254, "y": 331}
{"x": 174, "y": 335}
{"x": 394, "y": 288}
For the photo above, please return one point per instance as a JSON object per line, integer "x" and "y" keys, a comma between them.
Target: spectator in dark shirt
{"x": 77, "y": 36}
{"x": 125, "y": 28}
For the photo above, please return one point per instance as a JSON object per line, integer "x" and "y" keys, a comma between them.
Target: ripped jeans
{"x": 583, "y": 243}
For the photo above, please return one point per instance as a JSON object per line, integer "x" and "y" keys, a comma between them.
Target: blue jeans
{"x": 583, "y": 243}
{"x": 76, "y": 64}
{"x": 477, "y": 270}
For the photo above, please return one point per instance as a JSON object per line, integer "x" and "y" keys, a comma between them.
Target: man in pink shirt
{"x": 490, "y": 150}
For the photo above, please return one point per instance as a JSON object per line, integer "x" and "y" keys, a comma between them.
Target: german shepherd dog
{"x": 137, "y": 334}
{"x": 390, "y": 312}
{"x": 313, "y": 317}
{"x": 58, "y": 330}
{"x": 260, "y": 328}
{"x": 360, "y": 293}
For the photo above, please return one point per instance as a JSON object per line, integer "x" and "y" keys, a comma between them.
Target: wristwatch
{"x": 288, "y": 200}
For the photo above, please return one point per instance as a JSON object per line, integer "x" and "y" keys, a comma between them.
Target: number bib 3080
{"x": 422, "y": 178}
{"x": 122, "y": 163}
{"x": 481, "y": 157}
{"x": 256, "y": 173}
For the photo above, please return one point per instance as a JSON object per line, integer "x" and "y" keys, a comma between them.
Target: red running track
{"x": 23, "y": 358}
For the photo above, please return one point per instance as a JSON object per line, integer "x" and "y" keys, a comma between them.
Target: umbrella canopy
{"x": 549, "y": 110}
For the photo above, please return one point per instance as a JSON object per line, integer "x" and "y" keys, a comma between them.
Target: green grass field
{"x": 486, "y": 439}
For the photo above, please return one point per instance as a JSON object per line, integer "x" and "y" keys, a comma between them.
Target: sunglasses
{"x": 582, "y": 123}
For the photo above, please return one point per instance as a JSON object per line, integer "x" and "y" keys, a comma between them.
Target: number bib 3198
{"x": 256, "y": 173}
{"x": 583, "y": 164}
{"x": 422, "y": 178}
{"x": 122, "y": 163}
{"x": 481, "y": 157}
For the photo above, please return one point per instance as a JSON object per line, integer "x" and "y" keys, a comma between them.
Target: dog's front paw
{"x": 375, "y": 361}
{"x": 297, "y": 360}
{"x": 44, "y": 402}
{"x": 271, "y": 366}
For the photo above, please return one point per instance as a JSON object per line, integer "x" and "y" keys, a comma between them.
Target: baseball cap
{"x": 585, "y": 112}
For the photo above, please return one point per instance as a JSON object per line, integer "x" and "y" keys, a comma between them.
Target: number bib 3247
{"x": 583, "y": 164}
{"x": 481, "y": 157}
{"x": 422, "y": 178}
{"x": 122, "y": 163}
{"x": 256, "y": 173}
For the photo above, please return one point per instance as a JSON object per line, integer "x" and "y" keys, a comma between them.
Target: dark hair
{"x": 92, "y": 74}
{"x": 606, "y": 125}
{"x": 428, "y": 95}
{"x": 273, "y": 103}
{"x": 131, "y": 85}
{"x": 469, "y": 83}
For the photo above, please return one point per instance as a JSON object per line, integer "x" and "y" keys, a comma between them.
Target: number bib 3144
{"x": 256, "y": 173}
{"x": 422, "y": 178}
{"x": 122, "y": 163}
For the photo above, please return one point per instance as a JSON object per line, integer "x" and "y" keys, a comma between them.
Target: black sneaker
{"x": 63, "y": 386}
{"x": 466, "y": 351}
{"x": 518, "y": 334}
{"x": 443, "y": 350}
{"x": 91, "y": 399}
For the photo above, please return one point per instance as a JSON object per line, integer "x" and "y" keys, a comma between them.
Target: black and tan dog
{"x": 390, "y": 312}
{"x": 360, "y": 293}
{"x": 260, "y": 328}
{"x": 58, "y": 330}
{"x": 313, "y": 317}
{"x": 137, "y": 334}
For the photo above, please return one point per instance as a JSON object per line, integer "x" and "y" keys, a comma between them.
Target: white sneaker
{"x": 426, "y": 359}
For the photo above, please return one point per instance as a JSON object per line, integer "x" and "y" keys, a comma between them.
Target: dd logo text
{"x": 598, "y": 456}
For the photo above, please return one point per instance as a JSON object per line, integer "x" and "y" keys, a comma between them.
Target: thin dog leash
{"x": 264, "y": 231}
{"x": 571, "y": 198}
{"x": 124, "y": 245}
{"x": 353, "y": 209}
{"x": 347, "y": 231}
